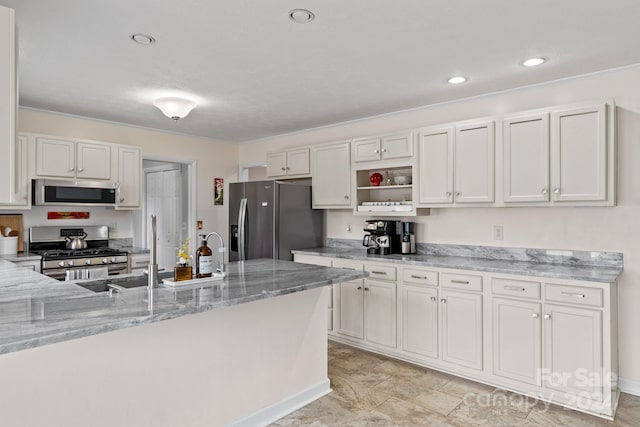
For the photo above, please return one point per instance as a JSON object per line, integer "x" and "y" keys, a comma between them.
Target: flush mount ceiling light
{"x": 143, "y": 39}
{"x": 175, "y": 108}
{"x": 301, "y": 16}
{"x": 532, "y": 62}
{"x": 457, "y": 80}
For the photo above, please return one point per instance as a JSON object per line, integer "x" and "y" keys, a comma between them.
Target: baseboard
{"x": 274, "y": 412}
{"x": 629, "y": 386}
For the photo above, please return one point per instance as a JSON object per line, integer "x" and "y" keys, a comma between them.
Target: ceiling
{"x": 254, "y": 73}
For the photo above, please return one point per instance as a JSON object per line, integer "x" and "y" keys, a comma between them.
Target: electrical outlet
{"x": 498, "y": 232}
{"x": 199, "y": 225}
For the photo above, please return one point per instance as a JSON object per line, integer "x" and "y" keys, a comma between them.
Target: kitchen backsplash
{"x": 542, "y": 256}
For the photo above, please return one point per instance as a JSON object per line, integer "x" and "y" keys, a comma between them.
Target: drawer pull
{"x": 461, "y": 282}
{"x": 379, "y": 272}
{"x": 514, "y": 288}
{"x": 572, "y": 294}
{"x": 413, "y": 276}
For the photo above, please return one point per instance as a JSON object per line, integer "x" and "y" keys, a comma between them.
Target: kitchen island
{"x": 242, "y": 351}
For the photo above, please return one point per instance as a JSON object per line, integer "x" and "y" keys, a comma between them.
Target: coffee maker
{"x": 408, "y": 238}
{"x": 381, "y": 237}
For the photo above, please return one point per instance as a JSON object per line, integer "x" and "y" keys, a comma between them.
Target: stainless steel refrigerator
{"x": 270, "y": 218}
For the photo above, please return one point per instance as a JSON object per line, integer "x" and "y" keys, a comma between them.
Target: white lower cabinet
{"x": 553, "y": 339}
{"x": 325, "y": 262}
{"x": 461, "y": 327}
{"x": 517, "y": 340}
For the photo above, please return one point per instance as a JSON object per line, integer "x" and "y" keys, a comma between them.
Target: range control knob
{"x": 104, "y": 260}
{"x": 88, "y": 262}
{"x": 61, "y": 263}
{"x": 70, "y": 263}
{"x": 113, "y": 260}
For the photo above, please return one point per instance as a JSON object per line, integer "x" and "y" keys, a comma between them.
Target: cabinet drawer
{"x": 515, "y": 288}
{"x": 423, "y": 277}
{"x": 573, "y": 294}
{"x": 380, "y": 272}
{"x": 465, "y": 282}
{"x": 348, "y": 264}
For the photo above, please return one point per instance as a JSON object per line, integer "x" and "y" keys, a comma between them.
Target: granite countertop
{"x": 133, "y": 250}
{"x": 21, "y": 256}
{"x": 540, "y": 269}
{"x": 36, "y": 310}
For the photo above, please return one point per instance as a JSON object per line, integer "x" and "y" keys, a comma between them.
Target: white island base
{"x": 246, "y": 364}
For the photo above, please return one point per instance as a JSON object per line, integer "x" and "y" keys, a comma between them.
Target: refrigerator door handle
{"x": 242, "y": 215}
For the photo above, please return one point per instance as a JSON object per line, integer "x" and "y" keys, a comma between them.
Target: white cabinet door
{"x": 366, "y": 150}
{"x": 397, "y": 146}
{"x": 277, "y": 164}
{"x": 380, "y": 313}
{"x": 573, "y": 349}
{"x": 461, "y": 328}
{"x": 420, "y": 320}
{"x": 129, "y": 177}
{"x": 351, "y": 310}
{"x": 474, "y": 160}
{"x": 436, "y": 166}
{"x": 298, "y": 162}
{"x": 579, "y": 154}
{"x": 526, "y": 158}
{"x": 93, "y": 161}
{"x": 331, "y": 177}
{"x": 517, "y": 340}
{"x": 8, "y": 105}
{"x": 21, "y": 196}
{"x": 55, "y": 157}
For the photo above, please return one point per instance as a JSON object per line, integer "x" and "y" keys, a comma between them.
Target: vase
{"x": 181, "y": 273}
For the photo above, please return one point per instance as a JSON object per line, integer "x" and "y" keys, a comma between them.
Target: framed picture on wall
{"x": 218, "y": 191}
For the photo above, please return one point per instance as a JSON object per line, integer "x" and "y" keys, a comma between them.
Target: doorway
{"x": 168, "y": 195}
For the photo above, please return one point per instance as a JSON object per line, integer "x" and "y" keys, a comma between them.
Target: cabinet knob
{"x": 545, "y": 191}
{"x": 359, "y": 288}
{"x": 384, "y": 150}
{"x": 376, "y": 151}
{"x": 346, "y": 197}
{"x": 458, "y": 193}
{"x": 366, "y": 289}
{"x": 283, "y": 168}
{"x": 556, "y": 190}
{"x": 443, "y": 300}
{"x": 535, "y": 315}
{"x": 80, "y": 169}
{"x": 121, "y": 199}
{"x": 547, "y": 317}
{"x": 448, "y": 193}
{"x": 72, "y": 169}
{"x": 433, "y": 298}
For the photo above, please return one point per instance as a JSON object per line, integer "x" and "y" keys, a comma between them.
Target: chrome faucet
{"x": 221, "y": 249}
{"x": 152, "y": 271}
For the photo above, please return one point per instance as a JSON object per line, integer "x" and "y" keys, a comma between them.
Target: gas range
{"x": 97, "y": 260}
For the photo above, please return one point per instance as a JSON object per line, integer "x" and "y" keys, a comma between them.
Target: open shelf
{"x": 384, "y": 187}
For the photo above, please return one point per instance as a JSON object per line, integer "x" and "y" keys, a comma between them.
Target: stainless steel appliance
{"x": 97, "y": 260}
{"x": 61, "y": 192}
{"x": 408, "y": 238}
{"x": 381, "y": 237}
{"x": 270, "y": 218}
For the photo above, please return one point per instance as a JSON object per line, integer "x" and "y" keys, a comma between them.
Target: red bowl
{"x": 375, "y": 179}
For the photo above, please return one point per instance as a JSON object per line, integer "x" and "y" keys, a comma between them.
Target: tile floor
{"x": 373, "y": 390}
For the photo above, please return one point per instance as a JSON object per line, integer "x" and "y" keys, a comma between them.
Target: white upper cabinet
{"x": 129, "y": 178}
{"x": 383, "y": 148}
{"x": 292, "y": 163}
{"x": 474, "y": 163}
{"x": 62, "y": 158}
{"x": 331, "y": 176}
{"x": 579, "y": 154}
{"x": 8, "y": 105}
{"x": 526, "y": 158}
{"x": 435, "y": 166}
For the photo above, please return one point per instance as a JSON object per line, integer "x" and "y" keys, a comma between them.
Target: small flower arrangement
{"x": 183, "y": 253}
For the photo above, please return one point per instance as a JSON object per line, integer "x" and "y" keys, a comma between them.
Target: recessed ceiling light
{"x": 457, "y": 80}
{"x": 532, "y": 62}
{"x": 143, "y": 39}
{"x": 301, "y": 16}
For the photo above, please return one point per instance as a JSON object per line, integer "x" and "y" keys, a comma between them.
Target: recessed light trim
{"x": 301, "y": 16}
{"x": 456, "y": 80}
{"x": 144, "y": 39}
{"x": 533, "y": 62}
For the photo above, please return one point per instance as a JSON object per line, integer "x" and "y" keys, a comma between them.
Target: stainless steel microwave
{"x": 76, "y": 193}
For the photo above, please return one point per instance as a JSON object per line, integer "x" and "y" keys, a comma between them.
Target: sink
{"x": 96, "y": 287}
{"x": 117, "y": 284}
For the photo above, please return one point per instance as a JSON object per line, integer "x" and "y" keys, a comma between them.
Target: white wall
{"x": 605, "y": 229}
{"x": 213, "y": 159}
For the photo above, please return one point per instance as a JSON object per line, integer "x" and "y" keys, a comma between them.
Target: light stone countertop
{"x": 21, "y": 256}
{"x": 36, "y": 310}
{"x": 504, "y": 266}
